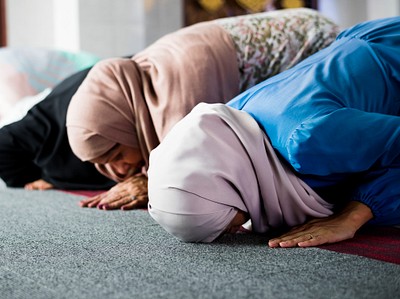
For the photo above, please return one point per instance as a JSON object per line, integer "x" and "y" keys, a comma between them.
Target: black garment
{"x": 37, "y": 146}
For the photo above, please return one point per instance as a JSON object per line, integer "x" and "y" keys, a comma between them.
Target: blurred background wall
{"x": 349, "y": 12}
{"x": 123, "y": 27}
{"x": 103, "y": 27}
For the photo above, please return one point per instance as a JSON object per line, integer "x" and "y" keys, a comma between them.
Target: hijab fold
{"x": 136, "y": 101}
{"x": 216, "y": 161}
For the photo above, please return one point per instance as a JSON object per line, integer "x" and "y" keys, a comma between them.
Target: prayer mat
{"x": 380, "y": 243}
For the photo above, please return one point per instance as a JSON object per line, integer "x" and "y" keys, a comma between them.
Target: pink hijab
{"x": 136, "y": 101}
{"x": 216, "y": 161}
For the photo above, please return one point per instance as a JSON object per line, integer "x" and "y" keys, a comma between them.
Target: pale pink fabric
{"x": 216, "y": 161}
{"x": 135, "y": 102}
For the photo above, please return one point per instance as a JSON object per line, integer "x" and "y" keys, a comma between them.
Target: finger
{"x": 45, "y": 187}
{"x": 315, "y": 241}
{"x": 282, "y": 238}
{"x": 295, "y": 232}
{"x": 293, "y": 242}
{"x": 111, "y": 198}
{"x": 38, "y": 186}
{"x": 129, "y": 206}
{"x": 273, "y": 243}
{"x": 116, "y": 204}
{"x": 92, "y": 203}
{"x": 84, "y": 203}
{"x": 138, "y": 203}
{"x": 89, "y": 202}
{"x": 29, "y": 186}
{"x": 306, "y": 239}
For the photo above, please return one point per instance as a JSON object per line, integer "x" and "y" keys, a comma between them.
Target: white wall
{"x": 162, "y": 16}
{"x": 66, "y": 37}
{"x": 103, "y": 27}
{"x": 122, "y": 27}
{"x": 28, "y": 24}
{"x": 383, "y": 8}
{"x": 112, "y": 27}
{"x": 347, "y": 13}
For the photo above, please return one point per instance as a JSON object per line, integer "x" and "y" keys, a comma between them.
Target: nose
{"x": 121, "y": 167}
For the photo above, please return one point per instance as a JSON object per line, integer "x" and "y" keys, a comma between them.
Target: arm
{"x": 380, "y": 190}
{"x": 321, "y": 147}
{"x": 16, "y": 162}
{"x": 376, "y": 201}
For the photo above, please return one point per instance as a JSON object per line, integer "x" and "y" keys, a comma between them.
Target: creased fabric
{"x": 216, "y": 161}
{"x": 36, "y": 147}
{"x": 143, "y": 97}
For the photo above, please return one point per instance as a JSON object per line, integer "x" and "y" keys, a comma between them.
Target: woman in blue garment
{"x": 333, "y": 121}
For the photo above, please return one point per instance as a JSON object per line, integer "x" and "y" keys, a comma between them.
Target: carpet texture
{"x": 51, "y": 248}
{"x": 381, "y": 243}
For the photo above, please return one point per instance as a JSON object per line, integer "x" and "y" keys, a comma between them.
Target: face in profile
{"x": 237, "y": 221}
{"x": 124, "y": 160}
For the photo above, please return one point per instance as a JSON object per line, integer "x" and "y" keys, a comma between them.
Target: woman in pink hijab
{"x": 125, "y": 107}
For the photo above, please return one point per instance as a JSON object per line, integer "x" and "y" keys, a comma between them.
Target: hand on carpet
{"x": 335, "y": 228}
{"x": 39, "y": 185}
{"x": 127, "y": 195}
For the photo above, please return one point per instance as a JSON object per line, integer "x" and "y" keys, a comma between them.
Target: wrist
{"x": 357, "y": 214}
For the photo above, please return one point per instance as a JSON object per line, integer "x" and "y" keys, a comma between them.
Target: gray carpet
{"x": 51, "y": 248}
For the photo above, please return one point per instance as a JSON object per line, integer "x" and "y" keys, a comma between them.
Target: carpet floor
{"x": 51, "y": 248}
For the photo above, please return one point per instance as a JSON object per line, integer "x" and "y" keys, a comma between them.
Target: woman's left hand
{"x": 127, "y": 195}
{"x": 332, "y": 229}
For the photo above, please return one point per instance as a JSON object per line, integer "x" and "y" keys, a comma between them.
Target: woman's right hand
{"x": 127, "y": 195}
{"x": 335, "y": 228}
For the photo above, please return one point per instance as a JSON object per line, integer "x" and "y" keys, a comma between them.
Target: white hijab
{"x": 216, "y": 161}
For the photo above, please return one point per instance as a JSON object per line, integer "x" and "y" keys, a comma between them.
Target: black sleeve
{"x": 16, "y": 164}
{"x": 37, "y": 146}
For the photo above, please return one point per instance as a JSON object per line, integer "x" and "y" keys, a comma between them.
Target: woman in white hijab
{"x": 215, "y": 170}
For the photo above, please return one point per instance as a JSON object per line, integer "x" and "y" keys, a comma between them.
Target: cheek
{"x": 239, "y": 219}
{"x": 132, "y": 158}
{"x": 130, "y": 161}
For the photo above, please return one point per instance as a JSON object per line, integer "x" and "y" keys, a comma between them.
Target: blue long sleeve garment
{"x": 335, "y": 117}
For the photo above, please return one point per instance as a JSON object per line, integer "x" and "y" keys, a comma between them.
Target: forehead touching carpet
{"x": 52, "y": 248}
